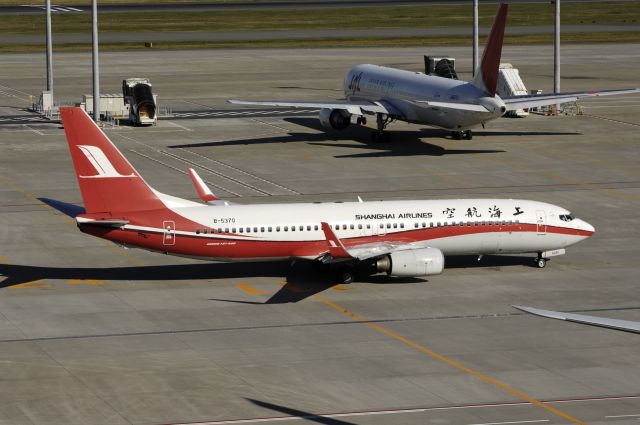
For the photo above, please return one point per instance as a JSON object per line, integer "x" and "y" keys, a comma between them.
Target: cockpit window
{"x": 566, "y": 217}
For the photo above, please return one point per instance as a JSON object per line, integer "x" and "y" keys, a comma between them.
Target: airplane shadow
{"x": 299, "y": 413}
{"x": 405, "y": 143}
{"x": 301, "y": 280}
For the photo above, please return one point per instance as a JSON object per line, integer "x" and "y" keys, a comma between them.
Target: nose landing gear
{"x": 382, "y": 120}
{"x": 540, "y": 262}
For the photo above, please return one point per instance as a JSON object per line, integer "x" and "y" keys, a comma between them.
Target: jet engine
{"x": 336, "y": 119}
{"x": 411, "y": 263}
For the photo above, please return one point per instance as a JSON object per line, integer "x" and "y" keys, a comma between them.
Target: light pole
{"x": 49, "y": 48}
{"x": 475, "y": 36}
{"x": 556, "y": 51}
{"x": 96, "y": 65}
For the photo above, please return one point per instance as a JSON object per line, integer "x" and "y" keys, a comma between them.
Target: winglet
{"x": 336, "y": 249}
{"x": 203, "y": 190}
{"x": 487, "y": 73}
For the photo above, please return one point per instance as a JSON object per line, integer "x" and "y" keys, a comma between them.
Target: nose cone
{"x": 586, "y": 227}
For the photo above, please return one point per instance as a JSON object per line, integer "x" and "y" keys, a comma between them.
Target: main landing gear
{"x": 342, "y": 272}
{"x": 382, "y": 120}
{"x": 540, "y": 262}
{"x": 462, "y": 135}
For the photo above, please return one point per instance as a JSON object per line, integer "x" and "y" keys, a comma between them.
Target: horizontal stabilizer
{"x": 457, "y": 106}
{"x": 107, "y": 222}
{"x": 67, "y": 209}
{"x": 523, "y": 102}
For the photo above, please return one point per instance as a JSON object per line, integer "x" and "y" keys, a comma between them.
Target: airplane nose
{"x": 583, "y": 225}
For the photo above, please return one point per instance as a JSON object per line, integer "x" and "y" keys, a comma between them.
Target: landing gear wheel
{"x": 467, "y": 135}
{"x": 541, "y": 262}
{"x": 361, "y": 121}
{"x": 345, "y": 276}
{"x": 456, "y": 135}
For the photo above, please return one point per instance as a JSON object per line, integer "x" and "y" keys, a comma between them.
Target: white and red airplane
{"x": 400, "y": 238}
{"x": 392, "y": 94}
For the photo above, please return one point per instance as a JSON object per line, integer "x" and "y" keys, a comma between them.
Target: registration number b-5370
{"x": 224, "y": 220}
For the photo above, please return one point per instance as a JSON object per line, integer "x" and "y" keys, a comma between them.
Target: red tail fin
{"x": 107, "y": 181}
{"x": 487, "y": 73}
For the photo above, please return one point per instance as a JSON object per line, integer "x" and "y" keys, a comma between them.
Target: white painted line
{"x": 513, "y": 422}
{"x": 179, "y": 126}
{"x": 623, "y": 416}
{"x": 34, "y": 130}
{"x": 74, "y": 9}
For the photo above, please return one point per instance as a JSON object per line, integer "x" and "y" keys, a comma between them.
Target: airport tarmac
{"x": 91, "y": 333}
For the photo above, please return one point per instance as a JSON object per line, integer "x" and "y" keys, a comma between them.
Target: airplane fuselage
{"x": 403, "y": 91}
{"x": 278, "y": 231}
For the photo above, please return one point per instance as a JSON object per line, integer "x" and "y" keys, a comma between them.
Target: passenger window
{"x": 315, "y": 227}
{"x": 402, "y": 225}
{"x": 241, "y": 230}
{"x": 277, "y": 228}
{"x": 415, "y": 225}
{"x": 293, "y": 228}
{"x": 352, "y": 226}
{"x": 301, "y": 228}
{"x": 344, "y": 227}
{"x": 368, "y": 226}
{"x": 262, "y": 229}
{"x": 359, "y": 226}
{"x": 388, "y": 225}
{"x": 248, "y": 230}
{"x": 226, "y": 230}
{"x": 337, "y": 227}
{"x": 197, "y": 231}
{"x": 255, "y": 230}
{"x": 445, "y": 223}
{"x": 382, "y": 225}
{"x": 219, "y": 230}
{"x": 395, "y": 225}
{"x": 204, "y": 231}
{"x": 308, "y": 228}
{"x": 286, "y": 228}
{"x": 233, "y": 230}
{"x": 270, "y": 229}
{"x": 431, "y": 224}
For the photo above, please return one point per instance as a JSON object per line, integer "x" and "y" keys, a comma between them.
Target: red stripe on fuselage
{"x": 214, "y": 246}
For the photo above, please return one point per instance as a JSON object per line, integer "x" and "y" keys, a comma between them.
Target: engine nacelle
{"x": 412, "y": 263}
{"x": 336, "y": 119}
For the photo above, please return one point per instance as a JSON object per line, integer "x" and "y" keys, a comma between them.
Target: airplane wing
{"x": 522, "y": 102}
{"x": 353, "y": 107}
{"x": 338, "y": 251}
{"x": 621, "y": 325}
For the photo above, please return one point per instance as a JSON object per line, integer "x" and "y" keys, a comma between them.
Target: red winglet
{"x": 487, "y": 75}
{"x": 203, "y": 190}
{"x": 336, "y": 249}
